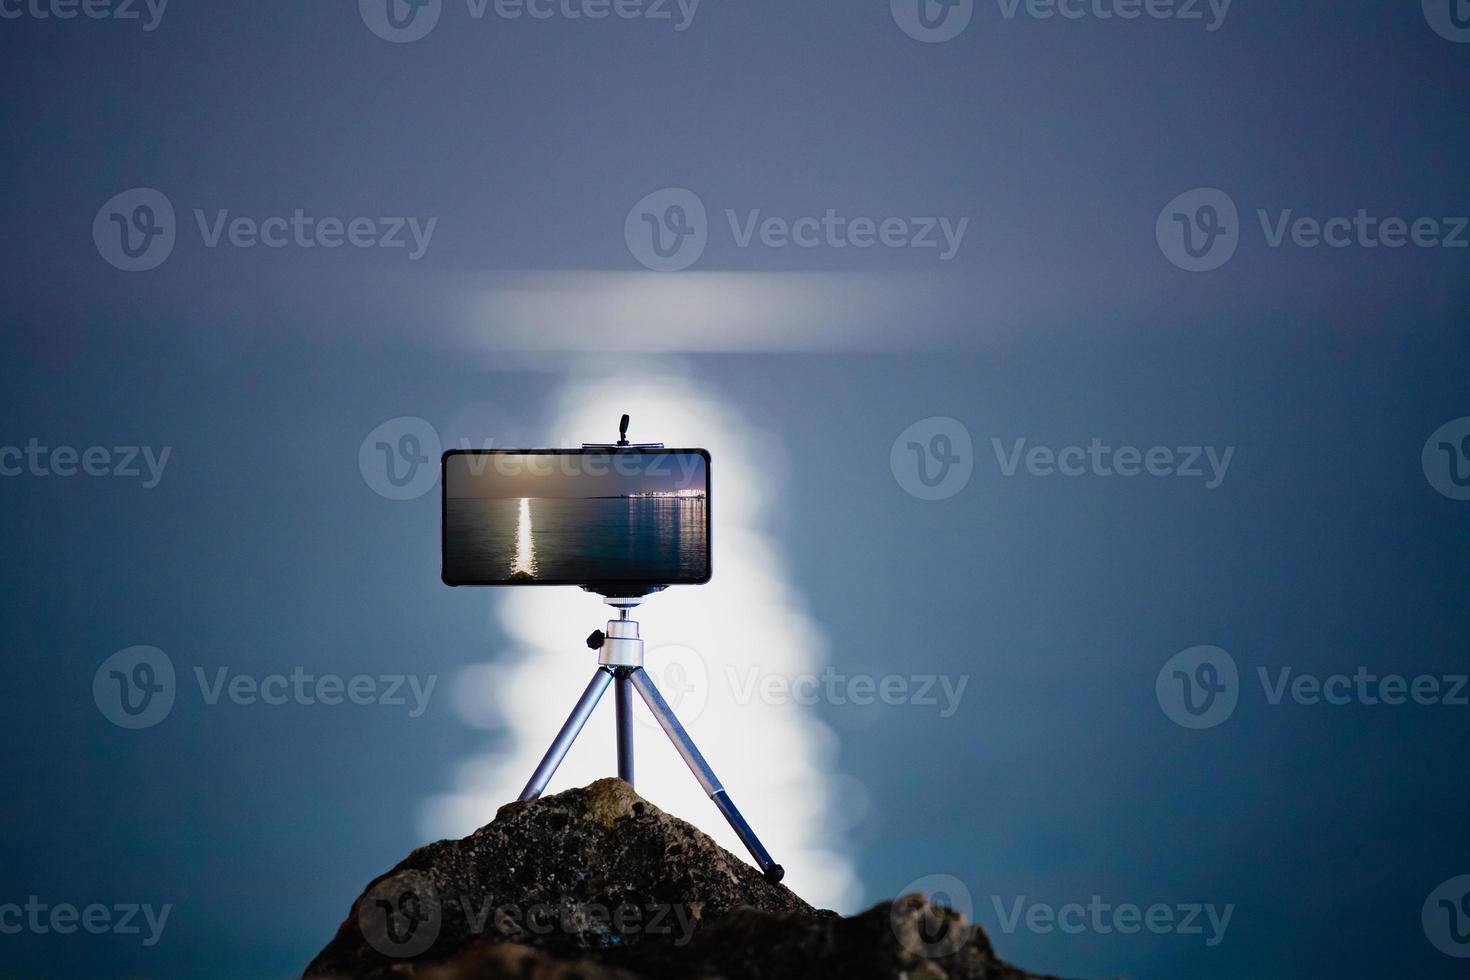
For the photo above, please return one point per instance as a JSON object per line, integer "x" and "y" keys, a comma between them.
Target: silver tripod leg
{"x": 702, "y": 772}
{"x": 568, "y": 734}
{"x": 624, "y": 692}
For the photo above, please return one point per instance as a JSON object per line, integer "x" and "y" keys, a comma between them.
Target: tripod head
{"x": 621, "y": 652}
{"x": 622, "y": 442}
{"x": 623, "y": 596}
{"x": 620, "y": 645}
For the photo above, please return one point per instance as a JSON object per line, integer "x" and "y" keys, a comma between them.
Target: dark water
{"x": 580, "y": 540}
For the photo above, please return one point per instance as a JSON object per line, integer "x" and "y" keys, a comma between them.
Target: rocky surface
{"x": 599, "y": 884}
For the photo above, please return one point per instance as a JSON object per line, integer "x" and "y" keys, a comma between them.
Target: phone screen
{"x": 598, "y": 517}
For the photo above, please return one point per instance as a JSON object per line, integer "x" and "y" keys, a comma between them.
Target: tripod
{"x": 620, "y": 662}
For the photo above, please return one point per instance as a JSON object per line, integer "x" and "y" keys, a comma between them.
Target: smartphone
{"x": 599, "y": 518}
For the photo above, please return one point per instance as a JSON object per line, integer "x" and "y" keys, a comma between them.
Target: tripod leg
{"x": 702, "y": 772}
{"x": 624, "y": 691}
{"x": 568, "y": 734}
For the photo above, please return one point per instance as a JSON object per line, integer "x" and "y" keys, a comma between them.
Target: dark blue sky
{"x": 1063, "y": 316}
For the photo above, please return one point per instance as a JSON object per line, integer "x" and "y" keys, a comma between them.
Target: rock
{"x": 599, "y": 884}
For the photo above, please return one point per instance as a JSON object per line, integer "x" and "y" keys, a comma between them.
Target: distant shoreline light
{"x": 681, "y": 494}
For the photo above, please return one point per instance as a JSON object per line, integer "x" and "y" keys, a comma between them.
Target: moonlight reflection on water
{"x": 524, "y": 565}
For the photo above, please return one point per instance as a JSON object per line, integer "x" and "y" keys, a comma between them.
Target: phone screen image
{"x": 576, "y": 517}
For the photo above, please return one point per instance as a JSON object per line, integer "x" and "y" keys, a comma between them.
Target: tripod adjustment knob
{"x": 594, "y": 642}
